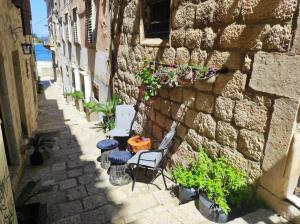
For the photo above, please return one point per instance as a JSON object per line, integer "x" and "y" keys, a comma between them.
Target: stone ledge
{"x": 283, "y": 208}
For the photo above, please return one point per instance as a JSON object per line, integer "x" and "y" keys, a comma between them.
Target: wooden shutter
{"x": 26, "y": 15}
{"x": 67, "y": 26}
{"x": 89, "y": 21}
{"x": 75, "y": 26}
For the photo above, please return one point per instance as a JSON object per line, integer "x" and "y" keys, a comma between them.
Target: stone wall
{"x": 7, "y": 207}
{"x": 227, "y": 116}
{"x": 18, "y": 103}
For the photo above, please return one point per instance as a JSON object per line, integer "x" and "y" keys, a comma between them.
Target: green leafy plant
{"x": 90, "y": 105}
{"x": 216, "y": 179}
{"x": 108, "y": 108}
{"x": 77, "y": 95}
{"x": 155, "y": 75}
{"x": 151, "y": 82}
{"x": 67, "y": 94}
{"x": 183, "y": 177}
{"x": 107, "y": 124}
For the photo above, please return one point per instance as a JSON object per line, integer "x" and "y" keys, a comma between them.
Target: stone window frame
{"x": 152, "y": 41}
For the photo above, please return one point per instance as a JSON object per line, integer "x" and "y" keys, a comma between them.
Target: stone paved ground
{"x": 74, "y": 188}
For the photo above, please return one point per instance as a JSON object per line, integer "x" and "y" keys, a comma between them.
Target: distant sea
{"x": 42, "y": 53}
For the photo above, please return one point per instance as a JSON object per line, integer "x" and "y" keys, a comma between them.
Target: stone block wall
{"x": 226, "y": 116}
{"x": 7, "y": 208}
{"x": 18, "y": 100}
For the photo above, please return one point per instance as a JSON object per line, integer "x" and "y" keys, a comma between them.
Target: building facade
{"x": 236, "y": 115}
{"x": 18, "y": 100}
{"x": 80, "y": 43}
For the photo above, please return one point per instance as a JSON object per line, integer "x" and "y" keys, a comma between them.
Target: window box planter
{"x": 210, "y": 210}
{"x": 69, "y": 99}
{"x": 91, "y": 115}
{"x": 79, "y": 104}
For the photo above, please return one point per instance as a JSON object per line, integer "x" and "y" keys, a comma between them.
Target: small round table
{"x": 138, "y": 143}
{"x": 106, "y": 146}
{"x": 119, "y": 172}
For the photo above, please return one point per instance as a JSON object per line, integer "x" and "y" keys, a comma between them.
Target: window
{"x": 66, "y": 27}
{"x": 73, "y": 78}
{"x": 75, "y": 26}
{"x": 61, "y": 30}
{"x": 64, "y": 48}
{"x": 82, "y": 87}
{"x": 95, "y": 92}
{"x": 156, "y": 18}
{"x": 90, "y": 21}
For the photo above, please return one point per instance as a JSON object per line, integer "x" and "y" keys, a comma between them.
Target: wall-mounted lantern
{"x": 27, "y": 48}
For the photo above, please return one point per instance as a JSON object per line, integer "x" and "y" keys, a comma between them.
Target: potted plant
{"x": 40, "y": 86}
{"x": 220, "y": 186}
{"x": 91, "y": 113}
{"x": 222, "y": 189}
{"x": 150, "y": 80}
{"x": 108, "y": 109}
{"x": 187, "y": 190}
{"x": 78, "y": 97}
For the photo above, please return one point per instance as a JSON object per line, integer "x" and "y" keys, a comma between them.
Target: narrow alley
{"x": 149, "y": 111}
{"x": 71, "y": 183}
{"x": 73, "y": 188}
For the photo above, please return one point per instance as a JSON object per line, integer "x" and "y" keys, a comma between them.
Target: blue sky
{"x": 39, "y": 17}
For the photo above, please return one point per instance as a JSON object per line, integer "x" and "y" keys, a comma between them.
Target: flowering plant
{"x": 155, "y": 75}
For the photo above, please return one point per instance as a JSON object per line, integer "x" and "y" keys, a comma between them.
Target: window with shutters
{"x": 61, "y": 30}
{"x": 75, "y": 26}
{"x": 66, "y": 26}
{"x": 156, "y": 19}
{"x": 90, "y": 21}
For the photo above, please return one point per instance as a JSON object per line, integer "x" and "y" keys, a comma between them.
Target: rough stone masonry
{"x": 235, "y": 116}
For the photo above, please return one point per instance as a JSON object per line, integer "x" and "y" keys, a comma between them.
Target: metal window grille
{"x": 75, "y": 26}
{"x": 90, "y": 23}
{"x": 157, "y": 18}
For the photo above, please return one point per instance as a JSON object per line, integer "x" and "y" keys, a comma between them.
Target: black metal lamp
{"x": 27, "y": 48}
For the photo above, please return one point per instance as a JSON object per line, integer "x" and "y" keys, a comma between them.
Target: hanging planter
{"x": 155, "y": 75}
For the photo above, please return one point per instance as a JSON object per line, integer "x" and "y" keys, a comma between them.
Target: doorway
{"x": 4, "y": 137}
{"x": 20, "y": 91}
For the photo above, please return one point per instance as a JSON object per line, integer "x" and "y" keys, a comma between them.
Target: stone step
{"x": 179, "y": 214}
{"x": 189, "y": 214}
{"x": 260, "y": 216}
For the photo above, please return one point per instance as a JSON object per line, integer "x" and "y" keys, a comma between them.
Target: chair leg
{"x": 133, "y": 177}
{"x": 164, "y": 179}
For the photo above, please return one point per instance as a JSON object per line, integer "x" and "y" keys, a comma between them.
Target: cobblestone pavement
{"x": 74, "y": 188}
